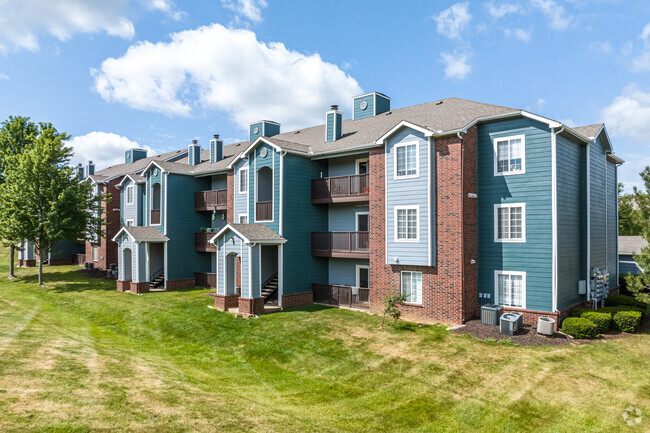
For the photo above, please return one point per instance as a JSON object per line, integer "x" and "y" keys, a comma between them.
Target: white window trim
{"x": 131, "y": 221}
{"x": 356, "y": 220}
{"x": 401, "y": 286}
{"x": 131, "y": 188}
{"x": 523, "y": 286}
{"x": 95, "y": 252}
{"x": 356, "y": 164}
{"x": 522, "y": 137}
{"x": 417, "y": 220}
{"x": 523, "y": 223}
{"x": 239, "y": 180}
{"x": 417, "y": 160}
{"x": 242, "y": 215}
{"x": 358, "y": 275}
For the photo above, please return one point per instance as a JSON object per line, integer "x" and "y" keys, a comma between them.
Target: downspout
{"x": 588, "y": 276}
{"x": 554, "y": 214}
{"x": 462, "y": 226}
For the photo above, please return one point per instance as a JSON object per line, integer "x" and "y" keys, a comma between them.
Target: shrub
{"x": 579, "y": 327}
{"x": 578, "y": 312}
{"x": 603, "y": 321}
{"x": 615, "y": 300}
{"x": 619, "y": 308}
{"x": 627, "y": 321}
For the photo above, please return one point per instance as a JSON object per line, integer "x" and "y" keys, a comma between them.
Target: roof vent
{"x": 333, "y": 124}
{"x": 90, "y": 168}
{"x": 263, "y": 128}
{"x": 216, "y": 149}
{"x": 194, "y": 153}
{"x": 369, "y": 105}
{"x": 133, "y": 155}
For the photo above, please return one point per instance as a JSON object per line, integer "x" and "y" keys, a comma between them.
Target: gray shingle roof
{"x": 141, "y": 234}
{"x": 257, "y": 232}
{"x": 589, "y": 131}
{"x": 122, "y": 169}
{"x": 631, "y": 244}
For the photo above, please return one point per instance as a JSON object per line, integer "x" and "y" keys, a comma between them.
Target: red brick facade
{"x": 297, "y": 300}
{"x": 26, "y": 263}
{"x": 108, "y": 250}
{"x": 449, "y": 288}
{"x": 188, "y": 283}
{"x": 123, "y": 286}
{"x": 139, "y": 288}
{"x": 60, "y": 262}
{"x": 224, "y": 302}
{"x": 251, "y": 305}
{"x": 531, "y": 316}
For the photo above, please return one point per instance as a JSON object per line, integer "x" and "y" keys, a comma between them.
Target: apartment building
{"x": 454, "y": 203}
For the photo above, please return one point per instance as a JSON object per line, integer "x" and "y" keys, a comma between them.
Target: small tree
{"x": 641, "y": 282}
{"x": 16, "y": 134}
{"x": 47, "y": 201}
{"x": 392, "y": 306}
{"x": 627, "y": 210}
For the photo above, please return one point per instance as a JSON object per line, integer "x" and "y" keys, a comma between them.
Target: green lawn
{"x": 80, "y": 356}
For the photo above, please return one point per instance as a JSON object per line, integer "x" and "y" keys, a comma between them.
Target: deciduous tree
{"x": 641, "y": 216}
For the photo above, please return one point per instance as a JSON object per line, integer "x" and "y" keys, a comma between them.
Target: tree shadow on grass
{"x": 68, "y": 281}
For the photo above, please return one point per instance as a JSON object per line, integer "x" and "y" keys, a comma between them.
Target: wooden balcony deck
{"x": 208, "y": 200}
{"x": 341, "y": 244}
{"x": 343, "y": 296}
{"x": 341, "y": 189}
{"x": 202, "y": 242}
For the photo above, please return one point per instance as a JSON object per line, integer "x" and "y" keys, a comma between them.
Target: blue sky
{"x": 159, "y": 73}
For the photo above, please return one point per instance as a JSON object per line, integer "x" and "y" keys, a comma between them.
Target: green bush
{"x": 628, "y": 321}
{"x": 579, "y": 327}
{"x": 578, "y": 312}
{"x": 615, "y": 300}
{"x": 619, "y": 308}
{"x": 603, "y": 321}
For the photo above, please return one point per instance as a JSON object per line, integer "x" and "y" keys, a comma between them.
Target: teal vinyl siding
{"x": 272, "y": 160}
{"x": 251, "y": 132}
{"x": 344, "y": 165}
{"x": 220, "y": 181}
{"x": 339, "y": 125}
{"x": 329, "y": 135}
{"x": 66, "y": 248}
{"x": 182, "y": 222}
{"x": 612, "y": 223}
{"x": 409, "y": 192}
{"x": 383, "y": 104}
{"x": 532, "y": 188}
{"x": 344, "y": 271}
{"x": 343, "y": 217}
{"x": 271, "y": 129}
{"x": 300, "y": 218}
{"x": 370, "y": 109}
{"x": 571, "y": 219}
{"x": 598, "y": 209}
{"x": 265, "y": 129}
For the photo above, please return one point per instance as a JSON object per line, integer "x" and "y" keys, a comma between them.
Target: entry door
{"x": 362, "y": 222}
{"x": 362, "y": 235}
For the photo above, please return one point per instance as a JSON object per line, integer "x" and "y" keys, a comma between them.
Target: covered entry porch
{"x": 249, "y": 268}
{"x": 141, "y": 259}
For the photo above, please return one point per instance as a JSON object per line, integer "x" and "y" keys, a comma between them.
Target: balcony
{"x": 264, "y": 211}
{"x": 340, "y": 189}
{"x": 202, "y": 279}
{"x": 155, "y": 216}
{"x": 202, "y": 242}
{"x": 208, "y": 200}
{"x": 343, "y": 296}
{"x": 341, "y": 244}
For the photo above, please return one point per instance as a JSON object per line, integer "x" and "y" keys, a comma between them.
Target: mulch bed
{"x": 96, "y": 273}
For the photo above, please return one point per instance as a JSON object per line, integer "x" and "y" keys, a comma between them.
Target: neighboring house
{"x": 101, "y": 251}
{"x": 454, "y": 203}
{"x": 628, "y": 246}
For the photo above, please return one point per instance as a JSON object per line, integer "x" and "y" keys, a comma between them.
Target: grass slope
{"x": 80, "y": 356}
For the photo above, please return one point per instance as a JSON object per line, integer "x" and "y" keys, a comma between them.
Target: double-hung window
{"x": 510, "y": 222}
{"x": 510, "y": 155}
{"x": 406, "y": 160}
{"x": 243, "y": 180}
{"x": 130, "y": 194}
{"x": 511, "y": 288}
{"x": 412, "y": 286}
{"x": 243, "y": 219}
{"x": 95, "y": 253}
{"x": 407, "y": 224}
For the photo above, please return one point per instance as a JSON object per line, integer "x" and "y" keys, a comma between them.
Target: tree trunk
{"x": 41, "y": 257}
{"x": 12, "y": 254}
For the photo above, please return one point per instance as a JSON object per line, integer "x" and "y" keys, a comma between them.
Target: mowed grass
{"x": 79, "y": 356}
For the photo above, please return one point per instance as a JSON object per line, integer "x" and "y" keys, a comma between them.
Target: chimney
{"x": 133, "y": 155}
{"x": 369, "y": 105}
{"x": 216, "y": 149}
{"x": 262, "y": 128}
{"x": 90, "y": 168}
{"x": 79, "y": 171}
{"x": 194, "y": 153}
{"x": 333, "y": 124}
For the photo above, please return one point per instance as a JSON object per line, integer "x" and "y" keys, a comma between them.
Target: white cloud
{"x": 519, "y": 34}
{"x": 22, "y": 21}
{"x": 104, "y": 148}
{"x": 641, "y": 62}
{"x": 452, "y": 22}
{"x": 167, "y": 7}
{"x": 456, "y": 65}
{"x": 214, "y": 67}
{"x": 559, "y": 18}
{"x": 628, "y": 173}
{"x": 569, "y": 122}
{"x": 249, "y": 9}
{"x": 541, "y": 103}
{"x": 600, "y": 47}
{"x": 4, "y": 77}
{"x": 628, "y": 116}
{"x": 499, "y": 11}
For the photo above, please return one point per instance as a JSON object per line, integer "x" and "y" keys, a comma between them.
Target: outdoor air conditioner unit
{"x": 490, "y": 314}
{"x": 545, "y": 326}
{"x": 510, "y": 323}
